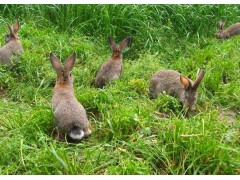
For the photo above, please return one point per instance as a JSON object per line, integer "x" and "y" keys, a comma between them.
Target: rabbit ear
{"x": 56, "y": 64}
{"x": 112, "y": 43}
{"x": 198, "y": 80}
{"x": 186, "y": 83}
{"x": 221, "y": 24}
{"x": 70, "y": 62}
{"x": 16, "y": 26}
{"x": 10, "y": 28}
{"x": 125, "y": 43}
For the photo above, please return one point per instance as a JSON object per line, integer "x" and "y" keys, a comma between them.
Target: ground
{"x": 131, "y": 134}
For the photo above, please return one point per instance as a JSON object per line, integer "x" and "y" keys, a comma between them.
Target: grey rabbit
{"x": 175, "y": 84}
{"x": 112, "y": 69}
{"x": 229, "y": 32}
{"x": 8, "y": 53}
{"x": 70, "y": 115}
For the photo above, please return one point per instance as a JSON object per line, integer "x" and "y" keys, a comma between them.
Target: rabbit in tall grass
{"x": 229, "y": 32}
{"x": 13, "y": 47}
{"x": 112, "y": 69}
{"x": 70, "y": 115}
{"x": 175, "y": 84}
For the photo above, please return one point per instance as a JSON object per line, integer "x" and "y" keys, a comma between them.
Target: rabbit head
{"x": 117, "y": 50}
{"x": 64, "y": 75}
{"x": 189, "y": 95}
{"x": 219, "y": 34}
{"x": 13, "y": 32}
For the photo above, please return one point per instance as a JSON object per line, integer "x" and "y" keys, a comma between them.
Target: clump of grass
{"x": 166, "y": 104}
{"x": 138, "y": 85}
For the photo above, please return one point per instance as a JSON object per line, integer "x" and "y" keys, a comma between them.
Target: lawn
{"x": 131, "y": 134}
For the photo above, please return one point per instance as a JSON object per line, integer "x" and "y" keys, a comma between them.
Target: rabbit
{"x": 70, "y": 115}
{"x": 175, "y": 84}
{"x": 229, "y": 32}
{"x": 112, "y": 69}
{"x": 13, "y": 46}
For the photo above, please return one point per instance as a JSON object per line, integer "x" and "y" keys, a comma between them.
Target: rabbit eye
{"x": 70, "y": 74}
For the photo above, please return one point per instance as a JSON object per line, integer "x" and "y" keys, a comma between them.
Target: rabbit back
{"x": 110, "y": 70}
{"x": 168, "y": 81}
{"x": 232, "y": 30}
{"x": 68, "y": 112}
{"x": 8, "y": 53}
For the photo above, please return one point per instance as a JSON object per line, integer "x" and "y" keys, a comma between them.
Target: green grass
{"x": 153, "y": 27}
{"x": 129, "y": 137}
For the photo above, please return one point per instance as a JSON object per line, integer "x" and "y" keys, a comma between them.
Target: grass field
{"x": 131, "y": 133}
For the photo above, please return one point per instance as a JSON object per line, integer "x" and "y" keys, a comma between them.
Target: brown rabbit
{"x": 229, "y": 32}
{"x": 70, "y": 115}
{"x": 13, "y": 46}
{"x": 112, "y": 69}
{"x": 175, "y": 84}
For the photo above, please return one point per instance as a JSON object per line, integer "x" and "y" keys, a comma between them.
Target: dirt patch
{"x": 229, "y": 115}
{"x": 3, "y": 92}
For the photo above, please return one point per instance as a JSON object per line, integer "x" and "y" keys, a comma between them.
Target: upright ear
{"x": 185, "y": 82}
{"x": 125, "y": 43}
{"x": 56, "y": 64}
{"x": 70, "y": 62}
{"x": 221, "y": 24}
{"x": 16, "y": 26}
{"x": 198, "y": 80}
{"x": 112, "y": 43}
{"x": 10, "y": 28}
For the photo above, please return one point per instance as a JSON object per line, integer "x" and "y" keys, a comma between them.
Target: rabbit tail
{"x": 76, "y": 133}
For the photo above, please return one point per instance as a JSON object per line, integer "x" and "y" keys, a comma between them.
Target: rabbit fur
{"x": 13, "y": 46}
{"x": 70, "y": 115}
{"x": 112, "y": 69}
{"x": 229, "y": 32}
{"x": 175, "y": 84}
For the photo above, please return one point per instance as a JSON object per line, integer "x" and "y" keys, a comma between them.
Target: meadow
{"x": 131, "y": 134}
